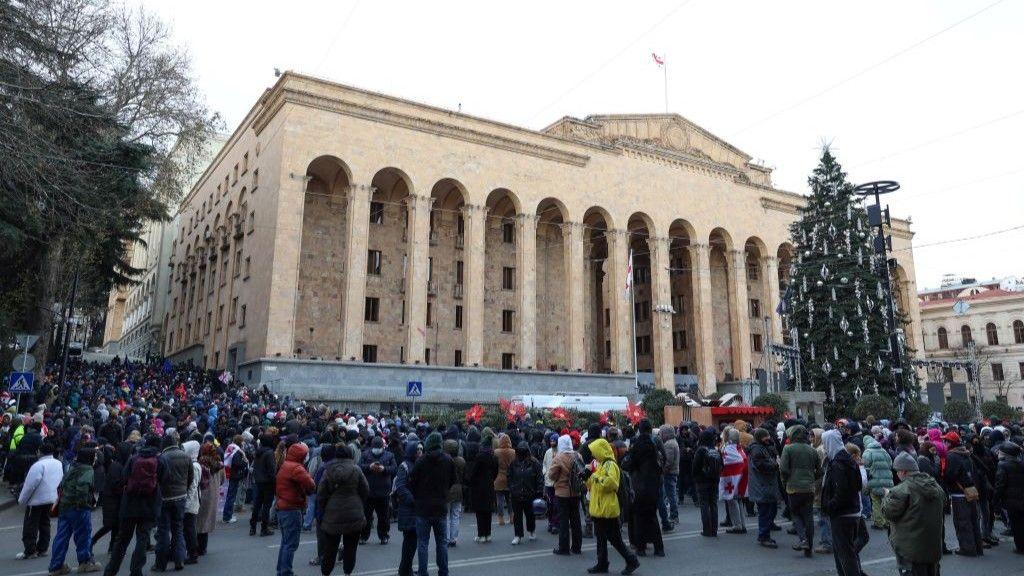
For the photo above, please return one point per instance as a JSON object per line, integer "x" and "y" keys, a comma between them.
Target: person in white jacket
{"x": 191, "y": 449}
{"x": 38, "y": 494}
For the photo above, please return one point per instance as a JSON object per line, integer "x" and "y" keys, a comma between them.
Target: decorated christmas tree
{"x": 836, "y": 299}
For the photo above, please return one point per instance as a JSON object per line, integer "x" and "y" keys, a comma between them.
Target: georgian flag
{"x": 733, "y": 483}
{"x": 629, "y": 276}
{"x": 657, "y": 60}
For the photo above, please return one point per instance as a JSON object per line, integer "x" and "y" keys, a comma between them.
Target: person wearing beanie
{"x": 644, "y": 463}
{"x": 800, "y": 467}
{"x": 706, "y": 471}
{"x": 75, "y": 514}
{"x": 341, "y": 504}
{"x": 170, "y": 530}
{"x": 264, "y": 474}
{"x": 1009, "y": 490}
{"x": 914, "y": 512}
{"x": 454, "y": 519}
{"x": 959, "y": 478}
{"x": 430, "y": 481}
{"x": 37, "y": 495}
{"x": 379, "y": 467}
{"x": 764, "y": 484}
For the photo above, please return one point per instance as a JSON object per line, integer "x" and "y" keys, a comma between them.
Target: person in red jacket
{"x": 293, "y": 484}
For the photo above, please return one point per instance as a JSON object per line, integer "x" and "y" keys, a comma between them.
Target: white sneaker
{"x": 516, "y": 541}
{"x": 532, "y": 536}
{"x": 478, "y": 539}
{"x": 487, "y": 539}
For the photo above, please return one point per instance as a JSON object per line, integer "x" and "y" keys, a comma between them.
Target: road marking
{"x": 879, "y": 561}
{"x": 2, "y": 528}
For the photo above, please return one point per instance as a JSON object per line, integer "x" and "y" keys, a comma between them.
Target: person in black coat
{"x": 430, "y": 481}
{"x": 687, "y": 440}
{"x": 706, "y": 471}
{"x": 480, "y": 483}
{"x": 1009, "y": 490}
{"x": 470, "y": 449}
{"x": 264, "y": 475}
{"x": 960, "y": 478}
{"x": 114, "y": 461}
{"x": 379, "y": 467}
{"x": 645, "y": 462}
{"x": 525, "y": 482}
{"x": 840, "y": 501}
{"x": 138, "y": 512}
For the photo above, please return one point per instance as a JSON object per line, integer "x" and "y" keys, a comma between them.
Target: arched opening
{"x": 500, "y": 297}
{"x": 758, "y": 307}
{"x": 1018, "y": 331}
{"x": 552, "y": 276}
{"x": 641, "y": 229}
{"x": 720, "y": 244}
{"x": 991, "y": 334}
{"x": 319, "y": 300}
{"x": 943, "y": 338}
{"x": 598, "y": 289}
{"x": 965, "y": 335}
{"x": 684, "y": 331}
{"x": 446, "y": 272}
{"x": 387, "y": 255}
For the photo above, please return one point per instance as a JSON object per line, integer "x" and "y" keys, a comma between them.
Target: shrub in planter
{"x": 773, "y": 401}
{"x": 958, "y": 412}
{"x": 654, "y": 403}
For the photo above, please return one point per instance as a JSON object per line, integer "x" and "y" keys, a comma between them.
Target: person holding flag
{"x": 732, "y": 486}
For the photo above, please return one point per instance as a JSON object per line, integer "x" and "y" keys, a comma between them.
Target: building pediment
{"x": 671, "y": 134}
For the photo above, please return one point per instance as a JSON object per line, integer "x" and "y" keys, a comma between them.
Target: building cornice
{"x": 283, "y": 95}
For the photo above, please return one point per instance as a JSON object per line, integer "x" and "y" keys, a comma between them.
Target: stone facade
{"x": 349, "y": 226}
{"x": 994, "y": 321}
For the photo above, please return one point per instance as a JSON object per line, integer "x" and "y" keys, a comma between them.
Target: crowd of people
{"x": 178, "y": 450}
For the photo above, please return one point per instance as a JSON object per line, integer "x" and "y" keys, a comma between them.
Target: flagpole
{"x": 632, "y": 315}
{"x": 664, "y": 69}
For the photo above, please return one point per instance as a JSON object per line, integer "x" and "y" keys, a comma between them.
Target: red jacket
{"x": 293, "y": 481}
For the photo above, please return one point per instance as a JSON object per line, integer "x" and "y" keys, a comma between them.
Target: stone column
{"x": 575, "y": 307}
{"x": 661, "y": 322}
{"x": 475, "y": 218}
{"x": 526, "y": 288}
{"x": 703, "y": 321}
{"x": 619, "y": 310}
{"x": 416, "y": 276}
{"x": 739, "y": 314}
{"x": 770, "y": 273}
{"x": 357, "y": 229}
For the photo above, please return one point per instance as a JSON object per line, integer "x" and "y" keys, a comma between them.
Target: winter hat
{"x": 905, "y": 462}
{"x": 433, "y": 442}
{"x": 952, "y": 437}
{"x": 1010, "y": 449}
{"x": 645, "y": 426}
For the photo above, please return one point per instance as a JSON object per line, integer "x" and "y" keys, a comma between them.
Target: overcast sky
{"x": 901, "y": 90}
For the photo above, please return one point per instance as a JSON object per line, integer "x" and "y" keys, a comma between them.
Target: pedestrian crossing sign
{"x": 414, "y": 389}
{"x": 21, "y": 382}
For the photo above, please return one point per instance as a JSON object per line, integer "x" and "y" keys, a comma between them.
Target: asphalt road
{"x": 234, "y": 553}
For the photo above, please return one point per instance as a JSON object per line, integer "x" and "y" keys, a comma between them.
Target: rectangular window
{"x": 209, "y": 320}
{"x": 369, "y": 353}
{"x": 248, "y": 266}
{"x": 430, "y": 313}
{"x": 255, "y": 179}
{"x": 1020, "y": 367}
{"x": 508, "y": 232}
{"x": 607, "y": 317}
{"x": 641, "y": 275}
{"x": 238, "y": 263}
{"x": 220, "y": 316}
{"x": 755, "y": 308}
{"x": 752, "y": 269}
{"x": 460, "y": 225}
{"x": 234, "y": 310}
{"x": 371, "y": 313}
{"x": 755, "y": 343}
{"x": 997, "y": 372}
{"x": 947, "y": 374}
{"x": 508, "y": 278}
{"x": 430, "y": 269}
{"x": 507, "y": 360}
{"x": 677, "y": 303}
{"x": 679, "y": 340}
{"x": 376, "y": 212}
{"x": 245, "y": 163}
{"x": 234, "y": 175}
{"x": 403, "y": 311}
{"x": 607, "y": 348}
{"x": 241, "y": 321}
{"x": 459, "y": 271}
{"x": 642, "y": 311}
{"x": 458, "y": 358}
{"x": 458, "y": 317}
{"x": 507, "y": 317}
{"x": 373, "y": 262}
{"x": 643, "y": 345}
{"x": 426, "y": 356}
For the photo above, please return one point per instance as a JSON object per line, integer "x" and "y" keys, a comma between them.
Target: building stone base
{"x": 367, "y": 385}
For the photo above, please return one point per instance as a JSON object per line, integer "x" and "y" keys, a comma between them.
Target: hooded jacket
{"x": 293, "y": 481}
{"x": 1008, "y": 492}
{"x": 708, "y": 439}
{"x": 404, "y": 504}
{"x": 561, "y": 468}
{"x": 800, "y": 464}
{"x": 481, "y": 476}
{"x": 191, "y": 449}
{"x": 959, "y": 472}
{"x": 379, "y": 482}
{"x": 174, "y": 485}
{"x": 667, "y": 434}
{"x": 451, "y": 448}
{"x": 139, "y": 506}
{"x": 525, "y": 479}
{"x": 841, "y": 487}
{"x": 341, "y": 496}
{"x": 914, "y": 511}
{"x": 431, "y": 479}
{"x": 644, "y": 463}
{"x": 264, "y": 467}
{"x": 505, "y": 454}
{"x": 878, "y": 464}
{"x": 603, "y": 484}
{"x": 763, "y": 486}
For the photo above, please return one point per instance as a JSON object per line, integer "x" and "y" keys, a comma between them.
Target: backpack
{"x": 239, "y": 468}
{"x": 142, "y": 478}
{"x": 576, "y": 472}
{"x": 394, "y": 486}
{"x": 712, "y": 463}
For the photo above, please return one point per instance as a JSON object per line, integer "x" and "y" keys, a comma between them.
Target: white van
{"x": 581, "y": 403}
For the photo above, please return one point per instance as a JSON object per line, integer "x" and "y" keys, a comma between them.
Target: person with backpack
{"x": 840, "y": 500}
{"x": 191, "y": 449}
{"x": 140, "y": 506}
{"x": 77, "y": 491}
{"x": 454, "y": 519}
{"x": 525, "y": 482}
{"x": 236, "y": 468}
{"x": 706, "y": 473}
{"x": 566, "y": 475}
{"x": 37, "y": 495}
{"x": 878, "y": 465}
{"x": 402, "y": 496}
{"x": 174, "y": 486}
{"x": 110, "y": 493}
{"x": 603, "y": 485}
{"x": 800, "y": 467}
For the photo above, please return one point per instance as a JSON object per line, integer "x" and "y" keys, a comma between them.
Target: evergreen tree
{"x": 836, "y": 299}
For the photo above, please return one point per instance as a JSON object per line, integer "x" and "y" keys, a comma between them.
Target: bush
{"x": 654, "y": 403}
{"x": 958, "y": 412}
{"x": 1001, "y": 410}
{"x": 773, "y": 401}
{"x": 918, "y": 413}
{"x": 874, "y": 405}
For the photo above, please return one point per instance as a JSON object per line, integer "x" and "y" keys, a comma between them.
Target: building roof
{"x": 983, "y": 295}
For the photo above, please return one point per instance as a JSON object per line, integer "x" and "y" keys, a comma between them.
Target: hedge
{"x": 874, "y": 405}
{"x": 773, "y": 401}
{"x": 1001, "y": 410}
{"x": 958, "y": 412}
{"x": 654, "y": 403}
